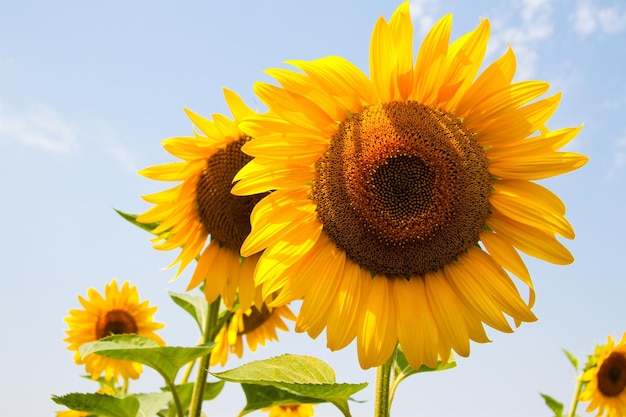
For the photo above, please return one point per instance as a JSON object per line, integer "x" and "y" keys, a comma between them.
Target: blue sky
{"x": 88, "y": 90}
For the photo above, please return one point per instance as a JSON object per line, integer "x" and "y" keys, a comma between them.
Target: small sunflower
{"x": 202, "y": 205}
{"x": 256, "y": 325}
{"x": 398, "y": 200}
{"x": 606, "y": 381}
{"x": 72, "y": 413}
{"x": 118, "y": 312}
{"x": 292, "y": 410}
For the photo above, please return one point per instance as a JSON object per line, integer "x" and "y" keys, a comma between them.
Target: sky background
{"x": 89, "y": 89}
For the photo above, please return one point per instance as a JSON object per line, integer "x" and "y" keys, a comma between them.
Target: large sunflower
{"x": 118, "y": 312}
{"x": 202, "y": 206}
{"x": 606, "y": 381}
{"x": 400, "y": 199}
{"x": 257, "y": 325}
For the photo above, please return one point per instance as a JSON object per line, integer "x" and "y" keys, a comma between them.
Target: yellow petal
{"x": 530, "y": 240}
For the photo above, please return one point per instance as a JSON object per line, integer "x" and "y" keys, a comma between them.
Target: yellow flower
{"x": 400, "y": 199}
{"x": 72, "y": 413}
{"x": 294, "y": 410}
{"x": 202, "y": 205}
{"x": 118, "y": 312}
{"x": 256, "y": 325}
{"x": 606, "y": 381}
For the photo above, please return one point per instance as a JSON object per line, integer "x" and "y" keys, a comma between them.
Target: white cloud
{"x": 423, "y": 14}
{"x": 524, "y": 28}
{"x": 40, "y": 127}
{"x": 619, "y": 157}
{"x": 589, "y": 18}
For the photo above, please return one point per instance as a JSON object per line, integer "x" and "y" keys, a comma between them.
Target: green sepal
{"x": 132, "y": 218}
{"x": 554, "y": 405}
{"x": 166, "y": 360}
{"x": 573, "y": 359}
{"x": 195, "y": 305}
{"x": 403, "y": 370}
{"x": 290, "y": 379}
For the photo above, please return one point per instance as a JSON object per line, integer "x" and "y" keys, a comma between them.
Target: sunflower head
{"x": 399, "y": 200}
{"x": 256, "y": 325}
{"x": 119, "y": 311}
{"x": 606, "y": 380}
{"x": 290, "y": 410}
{"x": 201, "y": 205}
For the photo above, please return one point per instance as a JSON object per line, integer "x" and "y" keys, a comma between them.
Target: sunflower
{"x": 72, "y": 413}
{"x": 257, "y": 325}
{"x": 202, "y": 205}
{"x": 118, "y": 312}
{"x": 292, "y": 410}
{"x": 400, "y": 199}
{"x": 606, "y": 381}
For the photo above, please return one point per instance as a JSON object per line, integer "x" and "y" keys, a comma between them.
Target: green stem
{"x": 383, "y": 375}
{"x": 210, "y": 331}
{"x": 172, "y": 386}
{"x": 572, "y": 408}
{"x": 188, "y": 369}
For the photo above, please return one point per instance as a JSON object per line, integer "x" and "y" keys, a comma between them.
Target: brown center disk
{"x": 116, "y": 322}
{"x": 255, "y": 319}
{"x": 612, "y": 375}
{"x": 403, "y": 189}
{"x": 225, "y": 217}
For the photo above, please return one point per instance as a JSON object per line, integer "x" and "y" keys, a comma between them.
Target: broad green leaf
{"x": 150, "y": 404}
{"x": 132, "y": 218}
{"x": 195, "y": 305}
{"x": 298, "y": 377}
{"x": 166, "y": 360}
{"x": 573, "y": 359}
{"x": 553, "y": 404}
{"x": 100, "y": 404}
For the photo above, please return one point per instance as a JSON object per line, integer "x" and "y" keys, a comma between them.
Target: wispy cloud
{"x": 527, "y": 24}
{"x": 619, "y": 157}
{"x": 40, "y": 127}
{"x": 589, "y": 18}
{"x": 424, "y": 14}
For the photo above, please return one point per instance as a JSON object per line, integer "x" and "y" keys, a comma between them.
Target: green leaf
{"x": 195, "y": 305}
{"x": 553, "y": 404}
{"x": 100, "y": 404}
{"x": 573, "y": 359}
{"x": 132, "y": 218}
{"x": 150, "y": 404}
{"x": 166, "y": 360}
{"x": 211, "y": 390}
{"x": 290, "y": 379}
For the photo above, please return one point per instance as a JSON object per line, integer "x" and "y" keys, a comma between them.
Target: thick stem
{"x": 209, "y": 334}
{"x": 572, "y": 408}
{"x": 383, "y": 376}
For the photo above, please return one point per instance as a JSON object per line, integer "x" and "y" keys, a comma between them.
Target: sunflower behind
{"x": 118, "y": 312}
{"x": 256, "y": 325}
{"x": 201, "y": 205}
{"x": 606, "y": 381}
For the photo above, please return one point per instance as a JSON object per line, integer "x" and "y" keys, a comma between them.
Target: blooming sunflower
{"x": 292, "y": 410}
{"x": 202, "y": 205}
{"x": 256, "y": 325}
{"x": 606, "y": 381}
{"x": 400, "y": 199}
{"x": 118, "y": 312}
